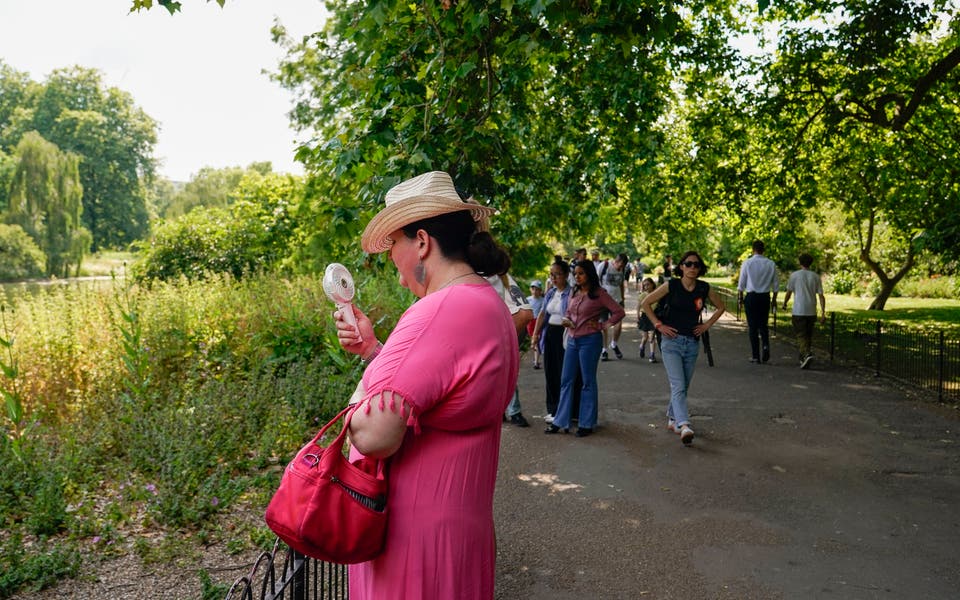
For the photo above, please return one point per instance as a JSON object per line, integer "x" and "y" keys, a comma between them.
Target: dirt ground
{"x": 801, "y": 484}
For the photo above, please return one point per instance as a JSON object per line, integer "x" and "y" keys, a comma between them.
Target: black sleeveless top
{"x": 685, "y": 307}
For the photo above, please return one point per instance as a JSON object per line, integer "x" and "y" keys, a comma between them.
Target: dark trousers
{"x": 553, "y": 367}
{"x": 757, "y": 307}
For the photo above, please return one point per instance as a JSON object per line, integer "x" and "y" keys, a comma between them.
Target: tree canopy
{"x": 643, "y": 121}
{"x": 111, "y": 136}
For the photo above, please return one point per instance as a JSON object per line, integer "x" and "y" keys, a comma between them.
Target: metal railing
{"x": 926, "y": 359}
{"x": 299, "y": 578}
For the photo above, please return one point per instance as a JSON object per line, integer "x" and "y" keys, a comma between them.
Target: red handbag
{"x": 328, "y": 507}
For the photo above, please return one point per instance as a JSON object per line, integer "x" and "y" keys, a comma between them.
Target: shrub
{"x": 20, "y": 257}
{"x": 933, "y": 287}
{"x": 840, "y": 283}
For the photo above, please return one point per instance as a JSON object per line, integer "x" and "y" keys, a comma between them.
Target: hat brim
{"x": 375, "y": 236}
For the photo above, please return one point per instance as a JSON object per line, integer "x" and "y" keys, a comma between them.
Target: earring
{"x": 420, "y": 272}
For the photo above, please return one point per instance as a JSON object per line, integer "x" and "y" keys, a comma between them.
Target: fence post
{"x": 833, "y": 334}
{"x": 301, "y": 574}
{"x": 942, "y": 367}
{"x": 879, "y": 345}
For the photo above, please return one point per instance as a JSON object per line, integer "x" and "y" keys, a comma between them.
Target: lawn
{"x": 937, "y": 313}
{"x": 106, "y": 263}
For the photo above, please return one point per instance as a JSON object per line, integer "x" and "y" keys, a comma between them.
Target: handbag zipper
{"x": 378, "y": 503}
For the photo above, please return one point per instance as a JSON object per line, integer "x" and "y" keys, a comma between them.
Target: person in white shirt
{"x": 807, "y": 286}
{"x": 613, "y": 278}
{"x": 758, "y": 278}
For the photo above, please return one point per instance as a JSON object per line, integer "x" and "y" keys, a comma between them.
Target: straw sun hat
{"x": 428, "y": 195}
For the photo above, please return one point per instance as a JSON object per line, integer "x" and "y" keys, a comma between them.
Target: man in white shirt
{"x": 758, "y": 278}
{"x": 807, "y": 286}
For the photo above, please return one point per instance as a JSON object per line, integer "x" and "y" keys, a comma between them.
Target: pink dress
{"x": 453, "y": 357}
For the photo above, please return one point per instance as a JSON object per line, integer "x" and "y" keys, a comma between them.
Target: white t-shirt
{"x": 611, "y": 281}
{"x": 806, "y": 286}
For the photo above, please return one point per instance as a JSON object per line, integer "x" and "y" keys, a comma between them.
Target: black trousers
{"x": 552, "y": 368}
{"x": 757, "y": 307}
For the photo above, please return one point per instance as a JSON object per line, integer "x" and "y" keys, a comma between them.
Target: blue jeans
{"x": 582, "y": 352}
{"x": 514, "y": 407}
{"x": 679, "y": 356}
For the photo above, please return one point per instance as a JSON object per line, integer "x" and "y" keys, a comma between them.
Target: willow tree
{"x": 46, "y": 202}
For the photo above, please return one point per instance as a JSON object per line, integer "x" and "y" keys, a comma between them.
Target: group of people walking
{"x": 581, "y": 310}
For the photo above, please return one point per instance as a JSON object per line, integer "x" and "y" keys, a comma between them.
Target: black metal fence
{"x": 297, "y": 577}
{"x": 925, "y": 358}
{"x": 928, "y": 359}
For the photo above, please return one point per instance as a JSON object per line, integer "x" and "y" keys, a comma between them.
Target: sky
{"x": 198, "y": 72}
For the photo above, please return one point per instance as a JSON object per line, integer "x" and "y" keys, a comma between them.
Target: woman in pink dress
{"x": 433, "y": 395}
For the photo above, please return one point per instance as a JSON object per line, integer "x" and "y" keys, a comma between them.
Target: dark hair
{"x": 593, "y": 280}
{"x": 564, "y": 265}
{"x": 678, "y": 271}
{"x": 805, "y": 260}
{"x": 758, "y": 246}
{"x": 457, "y": 236}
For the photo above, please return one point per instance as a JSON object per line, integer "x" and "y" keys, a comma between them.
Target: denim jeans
{"x": 514, "y": 407}
{"x": 679, "y": 356}
{"x": 582, "y": 352}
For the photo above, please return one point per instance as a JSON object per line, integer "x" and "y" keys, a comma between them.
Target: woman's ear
{"x": 423, "y": 243}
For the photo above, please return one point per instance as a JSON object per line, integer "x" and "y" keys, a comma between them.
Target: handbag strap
{"x": 348, "y": 411}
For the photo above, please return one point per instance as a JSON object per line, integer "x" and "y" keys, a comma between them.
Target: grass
{"x": 105, "y": 263}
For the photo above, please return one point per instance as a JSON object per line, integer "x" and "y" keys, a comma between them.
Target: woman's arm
{"x": 647, "y": 304}
{"x": 616, "y": 311}
{"x": 378, "y": 425}
{"x": 721, "y": 308}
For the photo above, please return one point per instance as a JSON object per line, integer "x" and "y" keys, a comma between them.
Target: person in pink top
{"x": 433, "y": 394}
{"x": 584, "y": 321}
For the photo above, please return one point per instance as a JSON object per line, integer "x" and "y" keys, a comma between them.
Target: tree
{"x": 870, "y": 88}
{"x": 45, "y": 201}
{"x": 114, "y": 139}
{"x": 545, "y": 109}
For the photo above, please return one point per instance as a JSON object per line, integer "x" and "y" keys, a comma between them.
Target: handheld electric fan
{"x": 338, "y": 286}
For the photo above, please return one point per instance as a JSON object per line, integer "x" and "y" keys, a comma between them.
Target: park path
{"x": 819, "y": 483}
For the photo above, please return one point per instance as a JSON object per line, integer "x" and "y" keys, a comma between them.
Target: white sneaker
{"x": 672, "y": 426}
{"x": 686, "y": 435}
{"x": 548, "y": 419}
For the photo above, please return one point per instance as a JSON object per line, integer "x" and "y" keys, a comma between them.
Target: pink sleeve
{"x": 399, "y": 368}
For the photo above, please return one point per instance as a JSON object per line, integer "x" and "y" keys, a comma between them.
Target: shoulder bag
{"x": 329, "y": 508}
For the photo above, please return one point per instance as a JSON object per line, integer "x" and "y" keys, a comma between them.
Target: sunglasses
{"x": 690, "y": 264}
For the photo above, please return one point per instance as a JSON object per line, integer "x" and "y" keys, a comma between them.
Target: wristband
{"x": 658, "y": 325}
{"x": 373, "y": 354}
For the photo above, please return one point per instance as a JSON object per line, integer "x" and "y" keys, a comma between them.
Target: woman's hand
{"x": 667, "y": 330}
{"x": 700, "y": 328}
{"x": 356, "y": 340}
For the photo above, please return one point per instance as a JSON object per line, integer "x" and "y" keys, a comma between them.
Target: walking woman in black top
{"x": 681, "y": 328}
